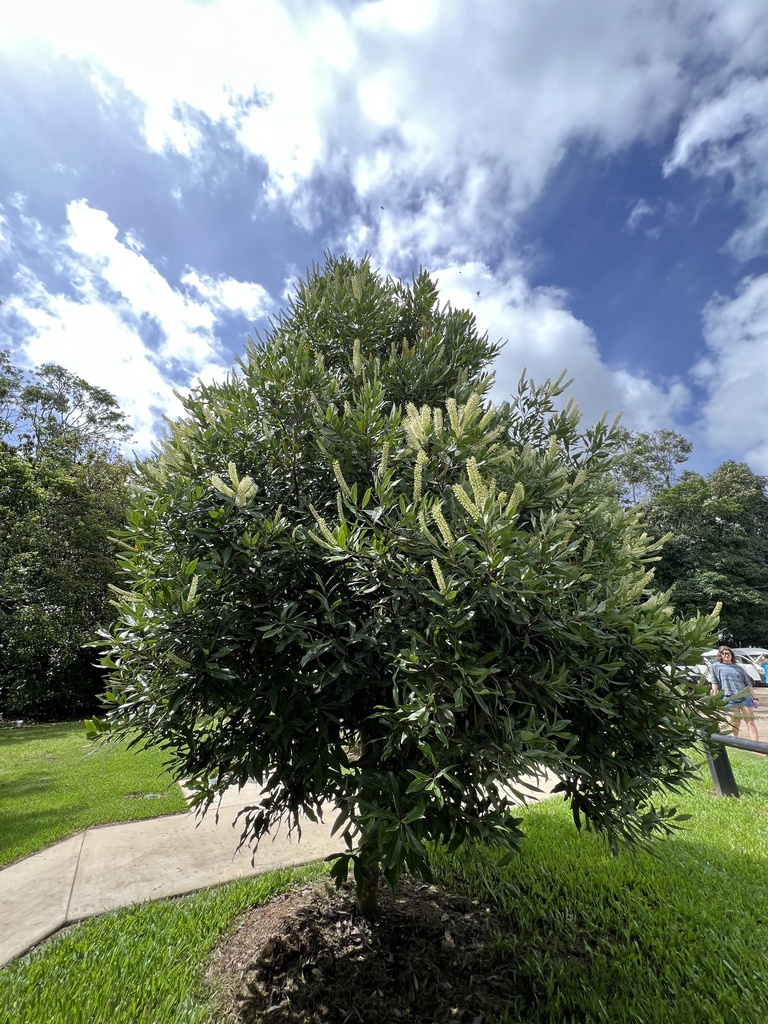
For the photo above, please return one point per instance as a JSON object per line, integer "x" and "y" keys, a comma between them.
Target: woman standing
{"x": 736, "y": 687}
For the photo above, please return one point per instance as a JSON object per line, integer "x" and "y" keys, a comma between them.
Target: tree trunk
{"x": 368, "y": 882}
{"x": 368, "y": 892}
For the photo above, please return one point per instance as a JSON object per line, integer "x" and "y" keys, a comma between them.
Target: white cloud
{"x": 459, "y": 128}
{"x": 214, "y": 58}
{"x": 640, "y": 209}
{"x": 466, "y": 107}
{"x": 543, "y": 337}
{"x": 469, "y": 106}
{"x": 93, "y": 340}
{"x": 738, "y": 31}
{"x": 125, "y": 327}
{"x": 407, "y": 17}
{"x": 726, "y": 135}
{"x": 5, "y": 238}
{"x": 450, "y": 115}
{"x": 225, "y": 294}
{"x": 186, "y": 325}
{"x": 735, "y": 413}
{"x": 445, "y": 122}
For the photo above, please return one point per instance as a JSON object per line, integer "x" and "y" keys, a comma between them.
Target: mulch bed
{"x": 309, "y": 958}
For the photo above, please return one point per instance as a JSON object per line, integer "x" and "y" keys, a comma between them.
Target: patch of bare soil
{"x": 309, "y": 958}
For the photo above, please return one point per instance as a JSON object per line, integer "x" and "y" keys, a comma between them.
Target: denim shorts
{"x": 742, "y": 702}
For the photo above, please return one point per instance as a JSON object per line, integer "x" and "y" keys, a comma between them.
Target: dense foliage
{"x": 715, "y": 530}
{"x": 63, "y": 492}
{"x": 350, "y": 577}
{"x": 717, "y": 549}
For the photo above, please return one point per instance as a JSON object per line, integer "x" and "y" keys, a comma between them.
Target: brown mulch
{"x": 307, "y": 957}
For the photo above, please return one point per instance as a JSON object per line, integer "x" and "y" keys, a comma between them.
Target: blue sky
{"x": 597, "y": 172}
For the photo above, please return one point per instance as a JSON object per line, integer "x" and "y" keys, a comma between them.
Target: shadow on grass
{"x": 562, "y": 933}
{"x": 578, "y": 934}
{"x": 15, "y": 827}
{"x": 11, "y": 736}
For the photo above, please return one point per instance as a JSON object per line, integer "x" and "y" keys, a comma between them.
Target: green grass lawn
{"x": 679, "y": 937}
{"x": 142, "y": 965}
{"x": 675, "y": 937}
{"x": 53, "y": 783}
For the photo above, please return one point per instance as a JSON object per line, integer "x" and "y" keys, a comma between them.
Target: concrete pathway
{"x": 114, "y": 866}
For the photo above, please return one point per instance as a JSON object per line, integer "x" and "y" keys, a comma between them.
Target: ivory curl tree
{"x": 352, "y": 578}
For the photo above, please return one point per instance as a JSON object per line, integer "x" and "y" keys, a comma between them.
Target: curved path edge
{"x": 111, "y": 866}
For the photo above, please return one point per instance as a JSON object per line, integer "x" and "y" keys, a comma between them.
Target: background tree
{"x": 718, "y": 549}
{"x": 63, "y": 491}
{"x": 351, "y": 578}
{"x": 10, "y": 383}
{"x": 645, "y": 462}
{"x": 55, "y": 414}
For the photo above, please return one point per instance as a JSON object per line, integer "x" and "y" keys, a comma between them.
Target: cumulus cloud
{"x": 544, "y": 338}
{"x": 458, "y": 108}
{"x": 451, "y": 117}
{"x": 735, "y": 413}
{"x": 440, "y": 123}
{"x": 225, "y": 294}
{"x": 118, "y": 321}
{"x": 93, "y": 340}
{"x": 141, "y": 289}
{"x": 264, "y": 70}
